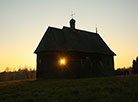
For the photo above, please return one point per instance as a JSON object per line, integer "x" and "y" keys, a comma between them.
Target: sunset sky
{"x": 23, "y": 23}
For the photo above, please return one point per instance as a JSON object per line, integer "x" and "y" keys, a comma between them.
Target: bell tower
{"x": 72, "y": 23}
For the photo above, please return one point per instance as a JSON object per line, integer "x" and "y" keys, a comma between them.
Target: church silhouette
{"x": 73, "y": 53}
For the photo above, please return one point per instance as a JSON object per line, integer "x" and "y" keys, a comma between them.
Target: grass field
{"x": 107, "y": 89}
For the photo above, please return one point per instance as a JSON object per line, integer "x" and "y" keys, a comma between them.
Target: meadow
{"x": 102, "y": 89}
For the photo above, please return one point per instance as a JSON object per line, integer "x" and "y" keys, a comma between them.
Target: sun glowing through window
{"x": 62, "y": 61}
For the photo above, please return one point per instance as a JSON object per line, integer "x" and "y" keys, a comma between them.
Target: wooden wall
{"x": 78, "y": 65}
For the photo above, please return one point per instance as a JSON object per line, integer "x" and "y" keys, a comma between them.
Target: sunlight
{"x": 62, "y": 61}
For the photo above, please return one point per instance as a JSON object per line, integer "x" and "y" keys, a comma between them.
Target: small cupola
{"x": 72, "y": 23}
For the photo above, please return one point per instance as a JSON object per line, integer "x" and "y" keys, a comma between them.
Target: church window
{"x": 39, "y": 61}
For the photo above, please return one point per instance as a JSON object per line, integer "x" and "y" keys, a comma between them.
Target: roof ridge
{"x": 54, "y": 28}
{"x": 80, "y": 30}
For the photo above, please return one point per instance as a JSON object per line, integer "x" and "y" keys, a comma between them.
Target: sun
{"x": 62, "y": 61}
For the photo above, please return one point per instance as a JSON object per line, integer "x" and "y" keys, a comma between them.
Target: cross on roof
{"x": 72, "y": 14}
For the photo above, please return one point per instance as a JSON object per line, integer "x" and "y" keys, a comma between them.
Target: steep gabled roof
{"x": 67, "y": 39}
{"x": 51, "y": 41}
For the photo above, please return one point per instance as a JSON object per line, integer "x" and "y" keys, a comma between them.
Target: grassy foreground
{"x": 107, "y": 89}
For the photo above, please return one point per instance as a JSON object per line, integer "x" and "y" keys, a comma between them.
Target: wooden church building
{"x": 73, "y": 53}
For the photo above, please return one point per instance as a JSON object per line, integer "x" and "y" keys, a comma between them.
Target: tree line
{"x": 127, "y": 71}
{"x": 21, "y": 73}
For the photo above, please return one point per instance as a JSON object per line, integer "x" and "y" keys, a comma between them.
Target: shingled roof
{"x": 68, "y": 39}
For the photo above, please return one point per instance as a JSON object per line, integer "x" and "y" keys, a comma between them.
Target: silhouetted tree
{"x": 135, "y": 66}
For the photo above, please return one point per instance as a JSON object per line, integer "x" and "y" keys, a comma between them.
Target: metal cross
{"x": 72, "y": 14}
